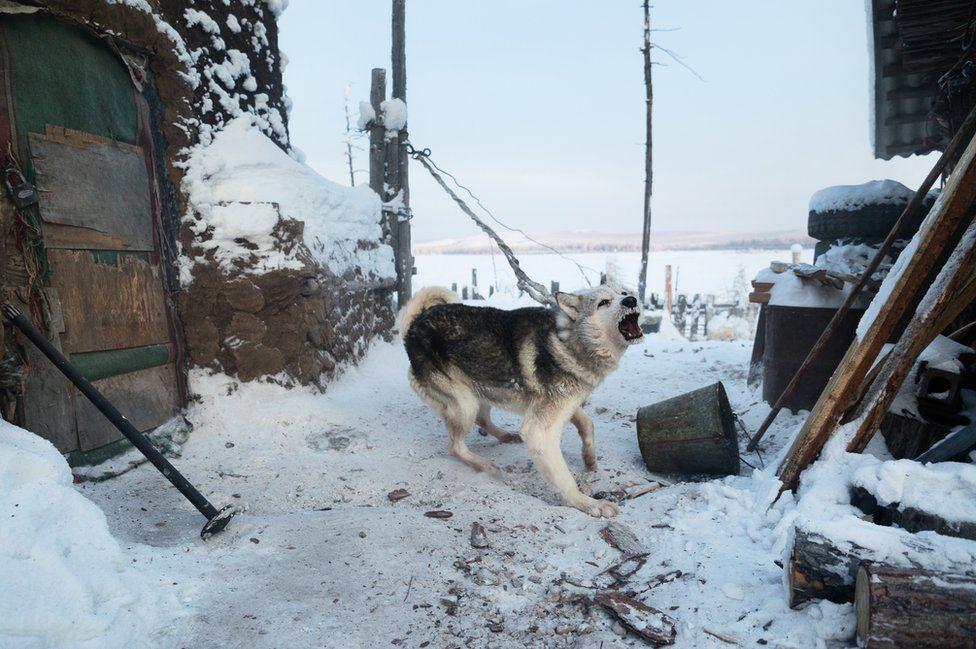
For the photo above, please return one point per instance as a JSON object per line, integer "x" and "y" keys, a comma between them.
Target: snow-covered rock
{"x": 66, "y": 582}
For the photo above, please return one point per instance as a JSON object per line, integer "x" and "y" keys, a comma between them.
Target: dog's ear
{"x": 570, "y": 304}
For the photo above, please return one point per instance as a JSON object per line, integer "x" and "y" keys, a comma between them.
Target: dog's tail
{"x": 423, "y": 300}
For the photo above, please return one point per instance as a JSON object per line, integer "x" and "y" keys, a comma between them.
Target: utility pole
{"x": 648, "y": 167}
{"x": 404, "y": 258}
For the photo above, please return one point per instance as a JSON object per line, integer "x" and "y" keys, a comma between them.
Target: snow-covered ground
{"x": 322, "y": 557}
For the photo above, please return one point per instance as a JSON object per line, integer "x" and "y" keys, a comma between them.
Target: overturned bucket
{"x": 693, "y": 433}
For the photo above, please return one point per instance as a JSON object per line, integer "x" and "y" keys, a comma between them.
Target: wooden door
{"x": 83, "y": 134}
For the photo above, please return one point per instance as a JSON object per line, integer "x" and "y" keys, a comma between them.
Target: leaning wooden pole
{"x": 404, "y": 258}
{"x": 648, "y": 167}
{"x": 941, "y": 230}
{"x": 956, "y": 145}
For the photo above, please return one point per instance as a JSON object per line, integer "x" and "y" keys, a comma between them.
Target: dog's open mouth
{"x": 630, "y": 327}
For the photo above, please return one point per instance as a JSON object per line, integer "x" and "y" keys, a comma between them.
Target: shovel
{"x": 217, "y": 519}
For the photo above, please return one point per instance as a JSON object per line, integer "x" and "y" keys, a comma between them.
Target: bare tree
{"x": 648, "y": 167}
{"x": 349, "y": 137}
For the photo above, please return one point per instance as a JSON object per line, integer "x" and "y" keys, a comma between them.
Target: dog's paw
{"x": 598, "y": 508}
{"x": 589, "y": 459}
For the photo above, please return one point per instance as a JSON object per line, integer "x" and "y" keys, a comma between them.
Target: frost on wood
{"x": 66, "y": 581}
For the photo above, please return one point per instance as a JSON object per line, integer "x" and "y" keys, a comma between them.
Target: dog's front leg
{"x": 541, "y": 437}
{"x": 584, "y": 426}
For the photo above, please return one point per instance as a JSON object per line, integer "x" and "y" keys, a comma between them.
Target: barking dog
{"x": 537, "y": 362}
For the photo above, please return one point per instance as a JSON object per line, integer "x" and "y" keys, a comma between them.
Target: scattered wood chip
{"x": 479, "y": 537}
{"x": 647, "y": 622}
{"x": 439, "y": 513}
{"x": 622, "y": 538}
{"x": 721, "y": 636}
{"x": 663, "y": 578}
{"x": 625, "y": 569}
{"x": 397, "y": 494}
{"x": 637, "y": 493}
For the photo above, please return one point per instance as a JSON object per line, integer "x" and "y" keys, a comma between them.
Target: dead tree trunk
{"x": 404, "y": 258}
{"x": 349, "y": 135}
{"x": 908, "y": 607}
{"x": 648, "y": 167}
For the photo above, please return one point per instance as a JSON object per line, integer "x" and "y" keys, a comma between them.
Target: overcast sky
{"x": 538, "y": 106}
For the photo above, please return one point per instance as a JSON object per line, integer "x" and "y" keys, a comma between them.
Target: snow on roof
{"x": 243, "y": 166}
{"x": 853, "y": 197}
{"x": 66, "y": 581}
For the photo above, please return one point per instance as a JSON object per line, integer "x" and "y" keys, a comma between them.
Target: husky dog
{"x": 538, "y": 362}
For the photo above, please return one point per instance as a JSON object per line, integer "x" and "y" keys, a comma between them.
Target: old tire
{"x": 868, "y": 222}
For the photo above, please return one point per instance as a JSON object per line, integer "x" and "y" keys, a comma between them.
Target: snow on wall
{"x": 242, "y": 165}
{"x": 66, "y": 581}
{"x": 226, "y": 62}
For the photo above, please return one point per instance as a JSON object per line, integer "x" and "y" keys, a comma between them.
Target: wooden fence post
{"x": 554, "y": 287}
{"x": 667, "y": 289}
{"x": 377, "y": 151}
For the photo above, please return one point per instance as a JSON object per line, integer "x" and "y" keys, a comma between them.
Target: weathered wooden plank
{"x": 78, "y": 238}
{"x": 96, "y": 185}
{"x": 108, "y": 306}
{"x": 49, "y": 402}
{"x": 146, "y": 397}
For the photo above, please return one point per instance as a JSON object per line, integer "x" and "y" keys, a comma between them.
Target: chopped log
{"x": 818, "y": 569}
{"x": 762, "y": 287}
{"x": 909, "y": 607}
{"x": 910, "y": 519}
{"x": 759, "y": 298}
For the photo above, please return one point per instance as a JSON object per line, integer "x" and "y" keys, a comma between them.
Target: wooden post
{"x": 554, "y": 287}
{"x": 474, "y": 277}
{"x": 454, "y": 287}
{"x": 377, "y": 145}
{"x": 404, "y": 257}
{"x": 667, "y": 290}
{"x": 648, "y": 167}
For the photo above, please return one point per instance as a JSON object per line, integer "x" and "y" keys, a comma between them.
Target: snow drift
{"x": 66, "y": 582}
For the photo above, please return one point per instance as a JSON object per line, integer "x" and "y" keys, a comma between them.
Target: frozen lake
{"x": 710, "y": 272}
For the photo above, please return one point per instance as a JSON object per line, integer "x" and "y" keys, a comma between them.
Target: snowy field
{"x": 322, "y": 557}
{"x": 709, "y": 272}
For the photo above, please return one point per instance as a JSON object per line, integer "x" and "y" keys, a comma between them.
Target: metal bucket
{"x": 690, "y": 434}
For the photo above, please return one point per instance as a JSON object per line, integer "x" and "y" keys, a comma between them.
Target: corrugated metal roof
{"x": 911, "y": 44}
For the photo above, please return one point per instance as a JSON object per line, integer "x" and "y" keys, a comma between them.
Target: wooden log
{"x": 757, "y": 297}
{"x": 819, "y": 569}
{"x": 908, "y": 607}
